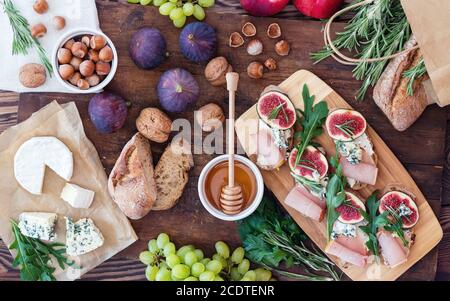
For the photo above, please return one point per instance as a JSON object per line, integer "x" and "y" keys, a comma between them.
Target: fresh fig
{"x": 345, "y": 125}
{"x": 403, "y": 205}
{"x": 108, "y": 112}
{"x": 349, "y": 211}
{"x": 263, "y": 8}
{"x": 313, "y": 165}
{"x": 198, "y": 42}
{"x": 148, "y": 48}
{"x": 276, "y": 109}
{"x": 177, "y": 89}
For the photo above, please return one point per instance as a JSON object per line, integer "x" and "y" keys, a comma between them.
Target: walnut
{"x": 210, "y": 117}
{"x": 216, "y": 70}
{"x": 32, "y": 75}
{"x": 154, "y": 124}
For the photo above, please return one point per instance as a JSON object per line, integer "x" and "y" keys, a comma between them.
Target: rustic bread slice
{"x": 390, "y": 92}
{"x": 172, "y": 174}
{"x": 131, "y": 183}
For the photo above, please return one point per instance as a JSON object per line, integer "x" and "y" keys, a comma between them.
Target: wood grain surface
{"x": 426, "y": 167}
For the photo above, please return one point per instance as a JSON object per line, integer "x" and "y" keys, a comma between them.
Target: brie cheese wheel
{"x": 76, "y": 196}
{"x": 34, "y": 155}
{"x": 82, "y": 237}
{"x": 40, "y": 225}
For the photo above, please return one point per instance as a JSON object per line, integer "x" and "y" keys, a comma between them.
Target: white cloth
{"x": 78, "y": 13}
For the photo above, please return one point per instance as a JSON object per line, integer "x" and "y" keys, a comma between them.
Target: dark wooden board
{"x": 188, "y": 222}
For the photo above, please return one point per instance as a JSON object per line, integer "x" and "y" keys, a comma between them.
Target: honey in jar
{"x": 217, "y": 178}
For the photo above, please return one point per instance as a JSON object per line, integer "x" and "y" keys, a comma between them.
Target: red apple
{"x": 319, "y": 9}
{"x": 263, "y": 8}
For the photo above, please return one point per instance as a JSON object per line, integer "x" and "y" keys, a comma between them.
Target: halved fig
{"x": 276, "y": 109}
{"x": 403, "y": 205}
{"x": 349, "y": 211}
{"x": 345, "y": 125}
{"x": 313, "y": 165}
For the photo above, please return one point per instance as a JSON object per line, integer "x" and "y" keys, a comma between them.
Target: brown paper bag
{"x": 64, "y": 123}
{"x": 430, "y": 23}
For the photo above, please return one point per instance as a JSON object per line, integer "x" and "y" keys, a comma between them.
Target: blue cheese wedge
{"x": 82, "y": 237}
{"x": 77, "y": 197}
{"x": 40, "y": 225}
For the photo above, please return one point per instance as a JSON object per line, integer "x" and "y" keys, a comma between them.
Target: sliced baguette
{"x": 131, "y": 183}
{"x": 172, "y": 174}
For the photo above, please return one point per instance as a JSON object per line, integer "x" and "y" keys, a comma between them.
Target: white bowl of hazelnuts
{"x": 85, "y": 60}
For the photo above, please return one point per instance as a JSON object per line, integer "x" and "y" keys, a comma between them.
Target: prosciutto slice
{"x": 355, "y": 244}
{"x": 336, "y": 248}
{"x": 392, "y": 248}
{"x": 365, "y": 172}
{"x": 263, "y": 150}
{"x": 304, "y": 202}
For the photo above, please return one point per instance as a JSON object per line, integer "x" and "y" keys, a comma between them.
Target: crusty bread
{"x": 131, "y": 183}
{"x": 390, "y": 92}
{"x": 172, "y": 174}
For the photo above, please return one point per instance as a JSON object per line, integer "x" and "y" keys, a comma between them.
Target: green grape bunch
{"x": 179, "y": 10}
{"x": 167, "y": 263}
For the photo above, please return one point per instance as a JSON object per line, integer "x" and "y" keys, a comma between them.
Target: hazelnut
{"x": 274, "y": 31}
{"x": 66, "y": 71}
{"x": 249, "y": 29}
{"x": 98, "y": 42}
{"x": 64, "y": 56}
{"x": 254, "y": 47}
{"x": 74, "y": 78}
{"x": 102, "y": 68}
{"x": 210, "y": 117}
{"x": 59, "y": 22}
{"x": 87, "y": 68}
{"x": 38, "y": 30}
{"x": 83, "y": 84}
{"x": 154, "y": 124}
{"x": 32, "y": 75}
{"x": 69, "y": 44}
{"x": 93, "y": 80}
{"x": 86, "y": 40}
{"x": 40, "y": 6}
{"x": 255, "y": 70}
{"x": 216, "y": 70}
{"x": 270, "y": 64}
{"x": 106, "y": 54}
{"x": 236, "y": 40}
{"x": 79, "y": 50}
{"x": 93, "y": 55}
{"x": 75, "y": 62}
{"x": 282, "y": 48}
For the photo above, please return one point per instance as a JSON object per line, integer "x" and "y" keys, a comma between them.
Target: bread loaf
{"x": 172, "y": 174}
{"x": 131, "y": 183}
{"x": 390, "y": 92}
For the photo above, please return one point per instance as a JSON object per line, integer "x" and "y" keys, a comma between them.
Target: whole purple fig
{"x": 108, "y": 112}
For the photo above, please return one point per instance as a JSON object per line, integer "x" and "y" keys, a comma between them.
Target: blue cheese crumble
{"x": 353, "y": 150}
{"x": 82, "y": 237}
{"x": 281, "y": 137}
{"x": 404, "y": 210}
{"x": 40, "y": 225}
{"x": 341, "y": 229}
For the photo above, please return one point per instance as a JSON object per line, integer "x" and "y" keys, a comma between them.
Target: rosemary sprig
{"x": 396, "y": 226}
{"x": 34, "y": 256}
{"x": 414, "y": 73}
{"x": 275, "y": 112}
{"x": 346, "y": 128}
{"x": 377, "y": 29}
{"x": 22, "y": 38}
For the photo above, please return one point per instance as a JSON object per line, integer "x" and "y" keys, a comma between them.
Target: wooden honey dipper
{"x": 231, "y": 198}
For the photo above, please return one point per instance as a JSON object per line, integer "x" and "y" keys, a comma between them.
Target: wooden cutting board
{"x": 428, "y": 230}
{"x": 188, "y": 222}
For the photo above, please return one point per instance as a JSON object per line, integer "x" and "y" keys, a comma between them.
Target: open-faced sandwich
{"x": 274, "y": 134}
{"x": 359, "y": 162}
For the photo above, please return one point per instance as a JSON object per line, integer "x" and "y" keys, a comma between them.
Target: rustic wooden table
{"x": 432, "y": 174}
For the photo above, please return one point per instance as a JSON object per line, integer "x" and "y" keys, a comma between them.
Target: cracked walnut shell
{"x": 216, "y": 71}
{"x": 210, "y": 117}
{"x": 154, "y": 124}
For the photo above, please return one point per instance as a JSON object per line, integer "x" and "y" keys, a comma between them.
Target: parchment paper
{"x": 64, "y": 123}
{"x": 430, "y": 23}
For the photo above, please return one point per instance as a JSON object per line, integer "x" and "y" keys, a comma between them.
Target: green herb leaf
{"x": 414, "y": 73}
{"x": 396, "y": 225}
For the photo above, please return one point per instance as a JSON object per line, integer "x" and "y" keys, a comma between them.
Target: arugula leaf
{"x": 311, "y": 119}
{"x": 396, "y": 226}
{"x": 335, "y": 195}
{"x": 374, "y": 222}
{"x": 34, "y": 256}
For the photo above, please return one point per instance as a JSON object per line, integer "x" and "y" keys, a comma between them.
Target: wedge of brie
{"x": 34, "y": 155}
{"x": 77, "y": 197}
